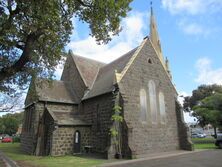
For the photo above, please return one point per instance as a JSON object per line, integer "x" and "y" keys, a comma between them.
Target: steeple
{"x": 154, "y": 37}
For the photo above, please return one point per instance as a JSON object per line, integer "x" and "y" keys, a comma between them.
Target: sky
{"x": 190, "y": 32}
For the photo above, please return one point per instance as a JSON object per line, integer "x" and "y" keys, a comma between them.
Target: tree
{"x": 206, "y": 104}
{"x": 199, "y": 94}
{"x": 210, "y": 109}
{"x": 9, "y": 123}
{"x": 33, "y": 34}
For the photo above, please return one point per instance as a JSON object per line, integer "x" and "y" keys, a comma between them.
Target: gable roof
{"x": 87, "y": 68}
{"x": 104, "y": 80}
{"x": 62, "y": 117}
{"x": 97, "y": 76}
{"x": 54, "y": 91}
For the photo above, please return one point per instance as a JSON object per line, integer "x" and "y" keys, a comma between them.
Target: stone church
{"x": 74, "y": 115}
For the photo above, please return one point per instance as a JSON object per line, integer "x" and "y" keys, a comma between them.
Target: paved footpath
{"x": 6, "y": 161}
{"x": 206, "y": 158}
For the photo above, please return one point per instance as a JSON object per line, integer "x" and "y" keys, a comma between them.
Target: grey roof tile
{"x": 66, "y": 118}
{"x": 88, "y": 68}
{"x": 54, "y": 91}
{"x": 104, "y": 81}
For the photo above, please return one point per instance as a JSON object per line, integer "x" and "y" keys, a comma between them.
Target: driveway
{"x": 207, "y": 158}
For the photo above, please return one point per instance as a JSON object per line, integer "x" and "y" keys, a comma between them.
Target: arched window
{"x": 143, "y": 106}
{"x": 162, "y": 108}
{"x": 153, "y": 105}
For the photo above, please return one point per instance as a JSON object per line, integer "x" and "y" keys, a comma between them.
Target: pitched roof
{"x": 66, "y": 118}
{"x": 88, "y": 69}
{"x": 54, "y": 91}
{"x": 104, "y": 80}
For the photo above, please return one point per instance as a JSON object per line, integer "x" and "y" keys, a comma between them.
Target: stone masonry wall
{"x": 98, "y": 111}
{"x": 63, "y": 139}
{"x": 145, "y": 138}
{"x": 29, "y": 137}
{"x": 185, "y": 140}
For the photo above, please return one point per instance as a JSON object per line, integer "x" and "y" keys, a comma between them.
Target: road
{"x": 208, "y": 158}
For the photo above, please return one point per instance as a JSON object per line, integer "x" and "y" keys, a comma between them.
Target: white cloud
{"x": 188, "y": 118}
{"x": 193, "y": 28}
{"x": 192, "y": 7}
{"x": 206, "y": 74}
{"x": 130, "y": 37}
{"x": 181, "y": 96}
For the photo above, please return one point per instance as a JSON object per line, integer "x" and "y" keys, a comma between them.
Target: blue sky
{"x": 190, "y": 33}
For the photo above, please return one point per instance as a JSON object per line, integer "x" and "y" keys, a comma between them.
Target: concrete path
{"x": 204, "y": 158}
{"x": 7, "y": 161}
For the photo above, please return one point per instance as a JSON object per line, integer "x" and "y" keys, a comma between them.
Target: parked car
{"x": 7, "y": 140}
{"x": 198, "y": 135}
{"x": 218, "y": 141}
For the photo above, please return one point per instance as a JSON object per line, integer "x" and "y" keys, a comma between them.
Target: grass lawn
{"x": 205, "y": 146}
{"x": 204, "y": 143}
{"x": 12, "y": 150}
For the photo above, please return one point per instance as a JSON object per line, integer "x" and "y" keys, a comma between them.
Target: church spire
{"x": 154, "y": 37}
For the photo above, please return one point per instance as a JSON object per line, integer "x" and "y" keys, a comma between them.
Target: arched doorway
{"x": 77, "y": 142}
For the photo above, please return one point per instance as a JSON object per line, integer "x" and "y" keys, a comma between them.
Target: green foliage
{"x": 33, "y": 34}
{"x": 210, "y": 109}
{"x": 9, "y": 123}
{"x": 16, "y": 139}
{"x": 199, "y": 94}
{"x": 117, "y": 114}
{"x": 117, "y": 118}
{"x": 205, "y": 103}
{"x": 113, "y": 132}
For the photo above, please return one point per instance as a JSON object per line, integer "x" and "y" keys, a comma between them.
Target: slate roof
{"x": 54, "y": 91}
{"x": 62, "y": 117}
{"x": 88, "y": 68}
{"x": 104, "y": 81}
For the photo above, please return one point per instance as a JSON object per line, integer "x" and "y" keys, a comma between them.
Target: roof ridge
{"x": 86, "y": 58}
{"x": 123, "y": 72}
{"x": 83, "y": 79}
{"x": 126, "y": 54}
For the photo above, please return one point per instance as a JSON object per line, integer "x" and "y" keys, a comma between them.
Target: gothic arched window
{"x": 153, "y": 105}
{"x": 162, "y": 108}
{"x": 143, "y": 106}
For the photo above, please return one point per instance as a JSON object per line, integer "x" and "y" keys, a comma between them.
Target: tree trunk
{"x": 215, "y": 132}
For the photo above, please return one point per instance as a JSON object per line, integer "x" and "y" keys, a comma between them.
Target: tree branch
{"x": 8, "y": 22}
{"x": 83, "y": 4}
{"x": 7, "y": 72}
